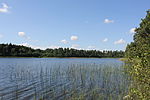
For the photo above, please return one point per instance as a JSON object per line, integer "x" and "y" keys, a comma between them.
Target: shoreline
{"x": 63, "y": 57}
{"x": 123, "y": 59}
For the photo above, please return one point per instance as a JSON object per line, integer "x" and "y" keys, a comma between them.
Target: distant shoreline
{"x": 58, "y": 57}
{"x": 123, "y": 59}
{"x": 18, "y": 51}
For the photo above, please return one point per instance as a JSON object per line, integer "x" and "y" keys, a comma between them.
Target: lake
{"x": 62, "y": 79}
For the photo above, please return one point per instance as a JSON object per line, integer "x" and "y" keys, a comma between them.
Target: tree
{"x": 23, "y": 51}
{"x": 138, "y": 53}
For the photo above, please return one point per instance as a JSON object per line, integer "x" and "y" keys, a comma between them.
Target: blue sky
{"x": 81, "y": 24}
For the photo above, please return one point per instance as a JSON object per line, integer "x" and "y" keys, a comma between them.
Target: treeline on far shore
{"x": 12, "y": 50}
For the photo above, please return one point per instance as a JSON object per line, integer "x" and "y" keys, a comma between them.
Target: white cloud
{"x": 4, "y": 8}
{"x": 74, "y": 38}
{"x": 121, "y": 41}
{"x": 108, "y": 21}
{"x": 39, "y": 47}
{"x": 64, "y": 41}
{"x": 132, "y": 30}
{"x": 75, "y": 46}
{"x": 53, "y": 47}
{"x": 1, "y": 36}
{"x": 105, "y": 40}
{"x": 25, "y": 44}
{"x": 32, "y": 46}
{"x": 21, "y": 34}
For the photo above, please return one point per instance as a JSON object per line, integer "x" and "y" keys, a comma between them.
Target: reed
{"x": 74, "y": 82}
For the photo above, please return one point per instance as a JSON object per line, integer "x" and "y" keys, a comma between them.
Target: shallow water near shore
{"x": 62, "y": 79}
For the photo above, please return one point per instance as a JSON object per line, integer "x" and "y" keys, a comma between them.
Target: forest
{"x": 138, "y": 55}
{"x": 11, "y": 50}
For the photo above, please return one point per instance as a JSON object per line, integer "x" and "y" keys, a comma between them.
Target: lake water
{"x": 62, "y": 79}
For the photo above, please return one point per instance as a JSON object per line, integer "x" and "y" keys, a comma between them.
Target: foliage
{"x": 18, "y": 51}
{"x": 140, "y": 70}
{"x": 22, "y": 51}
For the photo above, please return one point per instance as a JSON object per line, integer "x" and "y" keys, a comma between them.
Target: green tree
{"x": 138, "y": 53}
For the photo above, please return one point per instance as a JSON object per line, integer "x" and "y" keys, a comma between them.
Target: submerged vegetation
{"x": 73, "y": 82}
{"x": 22, "y": 51}
{"x": 138, "y": 54}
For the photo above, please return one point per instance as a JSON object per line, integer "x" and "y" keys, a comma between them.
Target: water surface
{"x": 56, "y": 78}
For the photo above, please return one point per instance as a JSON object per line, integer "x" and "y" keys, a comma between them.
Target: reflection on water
{"x": 62, "y": 79}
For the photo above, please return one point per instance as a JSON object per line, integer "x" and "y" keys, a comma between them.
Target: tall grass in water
{"x": 74, "y": 82}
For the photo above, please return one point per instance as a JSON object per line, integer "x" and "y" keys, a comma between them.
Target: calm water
{"x": 62, "y": 78}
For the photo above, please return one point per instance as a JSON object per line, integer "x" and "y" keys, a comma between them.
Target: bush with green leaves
{"x": 138, "y": 54}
